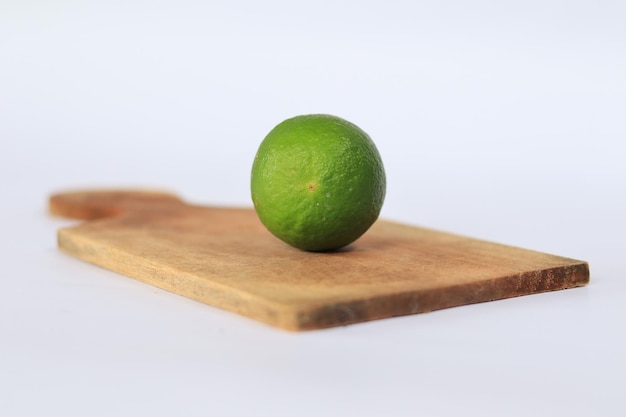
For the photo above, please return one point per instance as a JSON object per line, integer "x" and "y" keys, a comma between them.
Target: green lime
{"x": 318, "y": 182}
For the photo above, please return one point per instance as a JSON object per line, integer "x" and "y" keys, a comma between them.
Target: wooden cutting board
{"x": 226, "y": 258}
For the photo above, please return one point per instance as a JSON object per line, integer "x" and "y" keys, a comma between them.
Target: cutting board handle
{"x": 91, "y": 205}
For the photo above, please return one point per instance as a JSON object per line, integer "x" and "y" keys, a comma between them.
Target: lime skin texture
{"x": 318, "y": 182}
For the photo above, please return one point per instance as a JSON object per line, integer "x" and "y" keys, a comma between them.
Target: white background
{"x": 499, "y": 120}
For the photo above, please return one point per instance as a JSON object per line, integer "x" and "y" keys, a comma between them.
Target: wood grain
{"x": 226, "y": 258}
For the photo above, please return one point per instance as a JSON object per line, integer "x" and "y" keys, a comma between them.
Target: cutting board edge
{"x": 312, "y": 316}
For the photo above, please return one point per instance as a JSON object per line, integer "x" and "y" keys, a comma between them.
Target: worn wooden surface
{"x": 225, "y": 257}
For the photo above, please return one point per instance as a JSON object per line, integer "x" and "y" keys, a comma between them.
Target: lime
{"x": 318, "y": 182}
